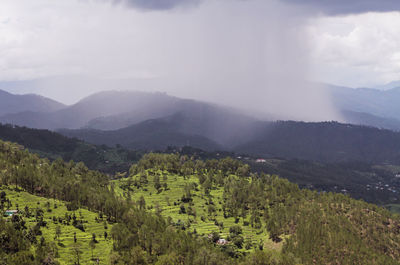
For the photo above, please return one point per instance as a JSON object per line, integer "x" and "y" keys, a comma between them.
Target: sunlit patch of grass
{"x": 66, "y": 242}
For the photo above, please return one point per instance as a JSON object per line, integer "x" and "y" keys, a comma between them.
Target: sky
{"x": 254, "y": 54}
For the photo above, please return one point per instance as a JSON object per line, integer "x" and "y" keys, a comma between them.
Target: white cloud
{"x": 357, "y": 50}
{"x": 42, "y": 38}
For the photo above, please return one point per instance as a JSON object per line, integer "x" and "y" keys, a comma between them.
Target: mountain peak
{"x": 12, "y": 104}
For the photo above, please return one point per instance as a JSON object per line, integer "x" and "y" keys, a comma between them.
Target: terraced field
{"x": 55, "y": 215}
{"x": 203, "y": 215}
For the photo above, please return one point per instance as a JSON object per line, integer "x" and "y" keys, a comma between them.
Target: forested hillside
{"x": 375, "y": 183}
{"x": 53, "y": 145}
{"x": 313, "y": 227}
{"x": 325, "y": 142}
{"x": 291, "y": 225}
{"x": 150, "y": 135}
{"x": 328, "y": 142}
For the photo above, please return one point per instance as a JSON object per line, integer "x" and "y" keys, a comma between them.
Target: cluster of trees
{"x": 185, "y": 166}
{"x": 323, "y": 227}
{"x": 68, "y": 181}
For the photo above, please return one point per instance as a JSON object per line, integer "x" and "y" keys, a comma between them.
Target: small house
{"x": 222, "y": 242}
{"x": 10, "y": 213}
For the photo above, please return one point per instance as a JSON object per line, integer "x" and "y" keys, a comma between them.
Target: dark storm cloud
{"x": 158, "y": 4}
{"x": 343, "y": 7}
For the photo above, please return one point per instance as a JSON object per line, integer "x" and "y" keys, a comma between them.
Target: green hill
{"x": 265, "y": 219}
{"x": 138, "y": 237}
{"x": 185, "y": 201}
{"x": 221, "y": 196}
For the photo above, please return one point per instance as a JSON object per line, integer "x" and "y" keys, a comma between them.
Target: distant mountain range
{"x": 380, "y": 103}
{"x": 95, "y": 108}
{"x": 362, "y": 118}
{"x": 196, "y": 124}
{"x": 113, "y": 110}
{"x": 323, "y": 141}
{"x": 10, "y": 103}
{"x": 154, "y": 121}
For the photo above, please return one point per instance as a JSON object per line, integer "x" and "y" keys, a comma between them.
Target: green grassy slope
{"x": 204, "y": 214}
{"x": 65, "y": 243}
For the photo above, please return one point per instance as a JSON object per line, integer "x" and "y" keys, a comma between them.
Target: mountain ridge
{"x": 323, "y": 141}
{"x": 11, "y": 103}
{"x": 382, "y": 103}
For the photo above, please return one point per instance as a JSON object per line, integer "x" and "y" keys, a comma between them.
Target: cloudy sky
{"x": 220, "y": 50}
